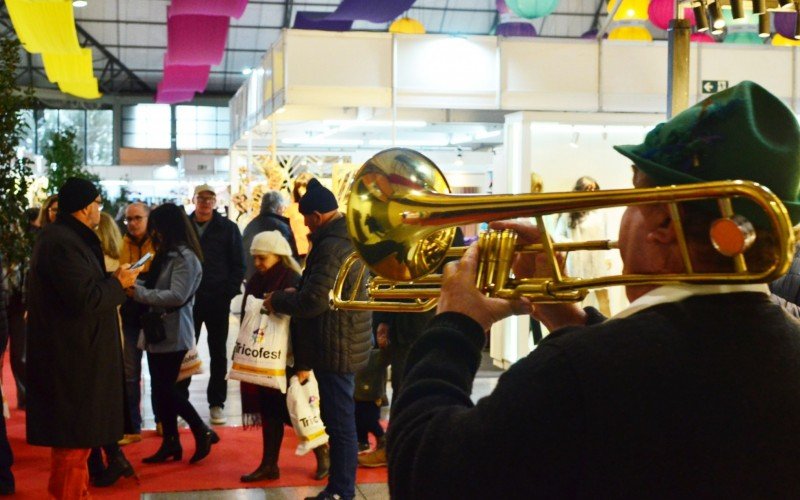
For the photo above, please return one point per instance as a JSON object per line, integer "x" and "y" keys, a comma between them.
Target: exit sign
{"x": 714, "y": 86}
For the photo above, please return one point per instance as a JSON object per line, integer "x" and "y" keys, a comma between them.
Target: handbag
{"x": 153, "y": 323}
{"x": 370, "y": 381}
{"x": 153, "y": 326}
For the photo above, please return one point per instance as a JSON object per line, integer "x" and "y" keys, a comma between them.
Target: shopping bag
{"x": 191, "y": 365}
{"x": 262, "y": 348}
{"x": 302, "y": 401}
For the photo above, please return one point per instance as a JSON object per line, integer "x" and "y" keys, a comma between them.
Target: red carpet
{"x": 239, "y": 452}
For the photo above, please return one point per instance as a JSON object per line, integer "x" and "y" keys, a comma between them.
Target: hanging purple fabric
{"x": 166, "y": 96}
{"x": 785, "y": 23}
{"x": 516, "y": 29}
{"x": 196, "y": 40}
{"x": 376, "y": 11}
{"x": 319, "y": 21}
{"x": 230, "y": 8}
{"x": 180, "y": 77}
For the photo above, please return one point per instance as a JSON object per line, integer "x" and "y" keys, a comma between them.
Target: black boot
{"x": 95, "y": 464}
{"x": 272, "y": 436}
{"x": 323, "y": 454}
{"x": 118, "y": 466}
{"x": 170, "y": 448}
{"x": 202, "y": 444}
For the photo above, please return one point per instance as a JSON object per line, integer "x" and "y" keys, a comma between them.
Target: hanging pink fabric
{"x": 165, "y": 96}
{"x": 180, "y": 77}
{"x": 230, "y": 8}
{"x": 196, "y": 40}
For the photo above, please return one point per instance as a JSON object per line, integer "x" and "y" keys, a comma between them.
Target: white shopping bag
{"x": 303, "y": 403}
{"x": 262, "y": 348}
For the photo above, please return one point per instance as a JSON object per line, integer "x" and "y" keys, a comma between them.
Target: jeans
{"x": 338, "y": 413}
{"x": 214, "y": 312}
{"x": 132, "y": 362}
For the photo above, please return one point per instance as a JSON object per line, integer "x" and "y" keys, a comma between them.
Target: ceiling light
{"x": 759, "y": 7}
{"x": 717, "y": 21}
{"x": 80, "y": 3}
{"x": 247, "y": 71}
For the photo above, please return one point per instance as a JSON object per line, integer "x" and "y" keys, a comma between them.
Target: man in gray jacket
{"x": 334, "y": 343}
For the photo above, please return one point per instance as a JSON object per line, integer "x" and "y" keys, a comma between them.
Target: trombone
{"x": 402, "y": 225}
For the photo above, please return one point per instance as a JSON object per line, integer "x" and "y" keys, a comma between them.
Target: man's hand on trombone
{"x": 532, "y": 265}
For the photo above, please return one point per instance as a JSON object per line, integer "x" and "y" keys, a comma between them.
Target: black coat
{"x": 265, "y": 222}
{"x": 339, "y": 340}
{"x": 223, "y": 259}
{"x": 74, "y": 355}
{"x": 693, "y": 399}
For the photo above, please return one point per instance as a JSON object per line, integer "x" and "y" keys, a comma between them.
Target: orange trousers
{"x": 69, "y": 474}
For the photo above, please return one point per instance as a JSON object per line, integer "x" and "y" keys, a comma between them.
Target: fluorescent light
{"x": 488, "y": 134}
{"x": 377, "y": 123}
{"x": 308, "y": 141}
{"x": 80, "y": 3}
{"x": 247, "y": 71}
{"x": 411, "y": 143}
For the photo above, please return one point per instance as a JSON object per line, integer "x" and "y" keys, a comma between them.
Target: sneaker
{"x": 218, "y": 416}
{"x": 129, "y": 438}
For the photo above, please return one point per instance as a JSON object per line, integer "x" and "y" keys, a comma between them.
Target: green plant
{"x": 15, "y": 173}
{"x": 63, "y": 158}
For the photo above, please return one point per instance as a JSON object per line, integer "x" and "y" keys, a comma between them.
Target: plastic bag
{"x": 191, "y": 365}
{"x": 302, "y": 401}
{"x": 262, "y": 348}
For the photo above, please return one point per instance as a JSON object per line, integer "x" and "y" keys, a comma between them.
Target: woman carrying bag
{"x": 168, "y": 326}
{"x": 275, "y": 270}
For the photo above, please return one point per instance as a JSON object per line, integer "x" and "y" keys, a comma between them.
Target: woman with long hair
{"x": 276, "y": 269}
{"x": 117, "y": 466}
{"x": 48, "y": 213}
{"x": 169, "y": 291}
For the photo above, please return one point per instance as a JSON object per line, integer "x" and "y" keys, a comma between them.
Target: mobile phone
{"x": 139, "y": 263}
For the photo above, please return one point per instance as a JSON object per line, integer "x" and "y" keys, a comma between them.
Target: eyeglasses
{"x": 52, "y": 210}
{"x": 99, "y": 204}
{"x": 135, "y": 218}
{"x": 206, "y": 199}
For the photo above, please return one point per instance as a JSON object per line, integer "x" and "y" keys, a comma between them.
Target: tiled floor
{"x": 483, "y": 385}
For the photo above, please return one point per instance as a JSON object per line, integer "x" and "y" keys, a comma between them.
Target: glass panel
{"x": 146, "y": 126}
{"x": 100, "y": 137}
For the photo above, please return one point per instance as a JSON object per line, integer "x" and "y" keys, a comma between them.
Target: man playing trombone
{"x": 693, "y": 391}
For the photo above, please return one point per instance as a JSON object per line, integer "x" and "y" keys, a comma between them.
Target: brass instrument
{"x": 402, "y": 227}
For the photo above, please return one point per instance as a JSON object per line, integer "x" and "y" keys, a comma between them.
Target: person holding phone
{"x": 74, "y": 356}
{"x": 169, "y": 289}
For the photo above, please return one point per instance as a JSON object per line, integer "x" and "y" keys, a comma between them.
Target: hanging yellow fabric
{"x": 44, "y": 26}
{"x": 47, "y": 27}
{"x": 68, "y": 67}
{"x": 86, "y": 89}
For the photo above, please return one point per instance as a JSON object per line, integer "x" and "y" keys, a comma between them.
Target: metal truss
{"x": 114, "y": 77}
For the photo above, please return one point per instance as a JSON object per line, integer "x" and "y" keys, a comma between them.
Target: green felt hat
{"x": 743, "y": 132}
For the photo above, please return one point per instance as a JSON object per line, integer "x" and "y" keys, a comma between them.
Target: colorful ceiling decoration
{"x": 511, "y": 24}
{"x": 532, "y": 9}
{"x": 408, "y": 26}
{"x": 660, "y": 13}
{"x": 197, "y": 31}
{"x": 376, "y": 11}
{"x": 47, "y": 27}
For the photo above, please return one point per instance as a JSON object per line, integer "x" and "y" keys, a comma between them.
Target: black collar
{"x": 84, "y": 233}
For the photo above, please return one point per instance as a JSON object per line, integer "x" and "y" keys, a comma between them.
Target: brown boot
{"x": 323, "y": 454}
{"x": 375, "y": 458}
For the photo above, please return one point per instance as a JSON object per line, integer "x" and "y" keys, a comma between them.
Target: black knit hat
{"x": 75, "y": 194}
{"x": 318, "y": 198}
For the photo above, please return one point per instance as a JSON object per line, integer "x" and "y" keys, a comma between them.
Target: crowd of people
{"x": 691, "y": 391}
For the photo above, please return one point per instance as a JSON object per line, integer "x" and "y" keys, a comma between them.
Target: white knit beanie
{"x": 270, "y": 242}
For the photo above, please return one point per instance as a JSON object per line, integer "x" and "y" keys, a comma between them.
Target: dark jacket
{"x": 694, "y": 399}
{"x": 223, "y": 259}
{"x": 265, "y": 222}
{"x": 332, "y": 340}
{"x": 74, "y": 355}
